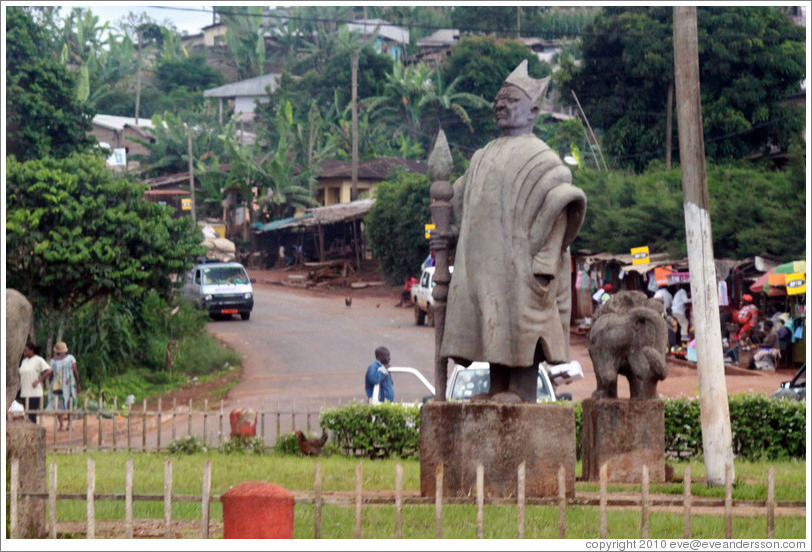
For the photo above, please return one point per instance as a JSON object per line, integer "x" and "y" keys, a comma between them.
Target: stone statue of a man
{"x": 515, "y": 212}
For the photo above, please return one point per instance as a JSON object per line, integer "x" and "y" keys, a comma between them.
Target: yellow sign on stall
{"x": 640, "y": 255}
{"x": 796, "y": 283}
{"x": 186, "y": 203}
{"x": 429, "y": 228}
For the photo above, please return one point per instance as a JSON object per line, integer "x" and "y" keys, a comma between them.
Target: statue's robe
{"x": 516, "y": 212}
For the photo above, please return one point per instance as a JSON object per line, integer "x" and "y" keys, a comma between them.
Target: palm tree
{"x": 447, "y": 103}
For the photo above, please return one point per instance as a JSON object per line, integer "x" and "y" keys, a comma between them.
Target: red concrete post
{"x": 257, "y": 510}
{"x": 243, "y": 422}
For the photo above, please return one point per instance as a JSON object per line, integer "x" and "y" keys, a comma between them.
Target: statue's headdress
{"x": 534, "y": 88}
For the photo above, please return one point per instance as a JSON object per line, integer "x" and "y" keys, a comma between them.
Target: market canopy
{"x": 774, "y": 282}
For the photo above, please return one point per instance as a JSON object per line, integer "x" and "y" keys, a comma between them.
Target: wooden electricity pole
{"x": 354, "y": 64}
{"x": 669, "y": 108}
{"x": 191, "y": 168}
{"x": 713, "y": 405}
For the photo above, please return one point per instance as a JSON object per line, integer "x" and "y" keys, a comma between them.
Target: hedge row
{"x": 761, "y": 428}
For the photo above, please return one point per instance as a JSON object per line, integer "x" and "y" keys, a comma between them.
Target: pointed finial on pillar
{"x": 440, "y": 161}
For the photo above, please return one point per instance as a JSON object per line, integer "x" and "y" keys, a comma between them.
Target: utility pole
{"x": 668, "y": 122}
{"x": 191, "y": 169}
{"x": 713, "y": 400}
{"x": 138, "y": 80}
{"x": 354, "y": 64}
{"x": 518, "y": 21}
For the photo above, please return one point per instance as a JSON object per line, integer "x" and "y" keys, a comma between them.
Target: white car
{"x": 422, "y": 299}
{"x": 465, "y": 383}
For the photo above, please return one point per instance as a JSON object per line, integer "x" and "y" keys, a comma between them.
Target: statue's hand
{"x": 544, "y": 280}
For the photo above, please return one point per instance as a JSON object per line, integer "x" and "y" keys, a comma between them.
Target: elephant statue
{"x": 629, "y": 337}
{"x": 19, "y": 320}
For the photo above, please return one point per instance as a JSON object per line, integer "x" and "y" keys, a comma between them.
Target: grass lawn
{"x": 459, "y": 521}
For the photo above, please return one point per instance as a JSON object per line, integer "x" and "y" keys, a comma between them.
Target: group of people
{"x": 60, "y": 373}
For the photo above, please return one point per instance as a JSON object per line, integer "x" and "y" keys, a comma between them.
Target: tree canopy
{"x": 76, "y": 234}
{"x": 395, "y": 225}
{"x": 750, "y": 59}
{"x": 43, "y": 114}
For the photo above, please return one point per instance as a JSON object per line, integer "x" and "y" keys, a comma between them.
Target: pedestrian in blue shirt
{"x": 378, "y": 374}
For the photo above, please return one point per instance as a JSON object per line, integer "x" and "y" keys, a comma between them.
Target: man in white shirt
{"x": 665, "y": 296}
{"x": 678, "y": 310}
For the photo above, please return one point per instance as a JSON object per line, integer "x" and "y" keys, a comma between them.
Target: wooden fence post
{"x": 398, "y": 501}
{"x": 562, "y": 502}
{"x": 686, "y": 503}
{"x": 603, "y": 479}
{"x": 144, "y": 427}
{"x": 189, "y": 420}
{"x": 115, "y": 420}
{"x": 205, "y": 421}
{"x": 438, "y": 501}
{"x": 129, "y": 426}
{"x": 358, "y": 486}
{"x": 174, "y": 413}
{"x": 128, "y": 501}
{"x": 317, "y": 502}
{"x": 159, "y": 415}
{"x": 14, "y": 499}
{"x": 480, "y": 500}
{"x": 728, "y": 502}
{"x": 206, "y": 499}
{"x": 520, "y": 500}
{"x": 84, "y": 427}
{"x": 771, "y": 503}
{"x": 91, "y": 495}
{"x": 101, "y": 407}
{"x": 644, "y": 504}
{"x": 52, "y": 498}
{"x": 168, "y": 499}
{"x": 220, "y": 426}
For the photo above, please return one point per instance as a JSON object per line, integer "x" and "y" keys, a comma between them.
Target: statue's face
{"x": 515, "y": 112}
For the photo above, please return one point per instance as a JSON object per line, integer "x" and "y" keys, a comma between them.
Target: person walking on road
{"x": 378, "y": 374}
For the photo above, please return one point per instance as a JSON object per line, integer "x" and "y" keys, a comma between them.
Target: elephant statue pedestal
{"x": 625, "y": 435}
{"x": 460, "y": 435}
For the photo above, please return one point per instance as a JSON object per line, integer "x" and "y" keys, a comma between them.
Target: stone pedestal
{"x": 500, "y": 437}
{"x": 26, "y": 442}
{"x": 625, "y": 435}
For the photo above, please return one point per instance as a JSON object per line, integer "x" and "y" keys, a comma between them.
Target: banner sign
{"x": 186, "y": 203}
{"x": 796, "y": 283}
{"x": 678, "y": 278}
{"x": 429, "y": 228}
{"x": 640, "y": 255}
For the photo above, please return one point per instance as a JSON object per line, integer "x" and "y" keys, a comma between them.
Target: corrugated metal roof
{"x": 377, "y": 169}
{"x": 281, "y": 223}
{"x": 115, "y": 122}
{"x": 380, "y": 28}
{"x": 249, "y": 87}
{"x": 340, "y": 212}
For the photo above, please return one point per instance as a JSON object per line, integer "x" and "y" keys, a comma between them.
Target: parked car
{"x": 422, "y": 299}
{"x": 464, "y": 383}
{"x": 795, "y": 388}
{"x": 220, "y": 288}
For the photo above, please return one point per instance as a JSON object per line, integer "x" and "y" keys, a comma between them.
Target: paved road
{"x": 302, "y": 347}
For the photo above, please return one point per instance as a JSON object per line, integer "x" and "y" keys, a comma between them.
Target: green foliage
{"x": 751, "y": 58}
{"x": 754, "y": 211}
{"x": 395, "y": 225}
{"x": 242, "y": 445}
{"x": 76, "y": 234}
{"x": 287, "y": 443}
{"x": 139, "y": 382}
{"x": 186, "y": 445}
{"x": 482, "y": 63}
{"x": 43, "y": 115}
{"x": 762, "y": 427}
{"x": 374, "y": 431}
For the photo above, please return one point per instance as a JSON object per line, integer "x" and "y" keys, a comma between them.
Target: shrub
{"x": 242, "y": 445}
{"x": 287, "y": 444}
{"x": 375, "y": 431}
{"x": 186, "y": 445}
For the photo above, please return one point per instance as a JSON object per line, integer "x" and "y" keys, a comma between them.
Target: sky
{"x": 186, "y": 16}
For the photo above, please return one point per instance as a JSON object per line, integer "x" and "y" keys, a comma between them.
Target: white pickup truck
{"x": 422, "y": 300}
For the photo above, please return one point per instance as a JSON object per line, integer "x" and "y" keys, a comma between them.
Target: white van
{"x": 220, "y": 288}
